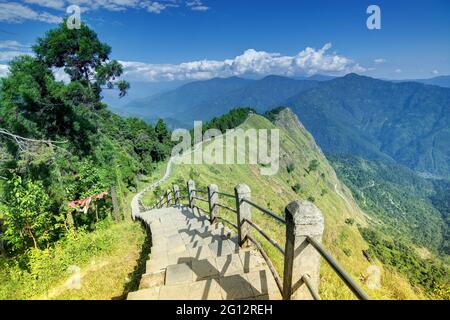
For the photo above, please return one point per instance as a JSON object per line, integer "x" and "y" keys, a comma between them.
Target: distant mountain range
{"x": 408, "y": 122}
{"x": 442, "y": 81}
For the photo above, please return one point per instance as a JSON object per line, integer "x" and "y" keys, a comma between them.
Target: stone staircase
{"x": 192, "y": 259}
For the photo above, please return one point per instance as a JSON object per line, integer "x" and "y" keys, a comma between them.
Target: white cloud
{"x": 196, "y": 5}
{"x": 258, "y": 63}
{"x": 6, "y": 56}
{"x": 12, "y": 45}
{"x": 398, "y": 71}
{"x": 4, "y": 69}
{"x": 379, "y": 60}
{"x": 53, "y": 4}
{"x": 14, "y": 12}
{"x": 435, "y": 71}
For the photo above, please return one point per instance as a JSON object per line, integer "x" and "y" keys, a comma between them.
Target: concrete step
{"x": 192, "y": 259}
{"x": 214, "y": 267}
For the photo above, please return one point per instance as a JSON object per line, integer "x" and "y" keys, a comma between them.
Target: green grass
{"x": 109, "y": 258}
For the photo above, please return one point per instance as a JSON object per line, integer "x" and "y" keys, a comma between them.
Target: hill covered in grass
{"x": 304, "y": 173}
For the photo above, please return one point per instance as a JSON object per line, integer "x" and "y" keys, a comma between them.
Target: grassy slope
{"x": 111, "y": 261}
{"x": 274, "y": 192}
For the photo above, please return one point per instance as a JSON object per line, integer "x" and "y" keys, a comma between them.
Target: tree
{"x": 161, "y": 131}
{"x": 28, "y": 218}
{"x": 313, "y": 165}
{"x": 83, "y": 56}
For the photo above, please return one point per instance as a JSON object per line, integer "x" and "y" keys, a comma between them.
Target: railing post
{"x": 191, "y": 193}
{"x": 213, "y": 200}
{"x": 244, "y": 212}
{"x": 161, "y": 199}
{"x": 176, "y": 194}
{"x": 302, "y": 219}
{"x": 168, "y": 197}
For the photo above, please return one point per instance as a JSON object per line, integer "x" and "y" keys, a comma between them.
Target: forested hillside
{"x": 409, "y": 229}
{"x": 59, "y": 143}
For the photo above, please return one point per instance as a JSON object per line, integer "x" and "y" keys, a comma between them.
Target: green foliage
{"x": 29, "y": 221}
{"x": 296, "y": 187}
{"x": 350, "y": 221}
{"x": 290, "y": 167}
{"x": 432, "y": 275}
{"x": 313, "y": 165}
{"x": 397, "y": 196}
{"x": 230, "y": 120}
{"x": 92, "y": 149}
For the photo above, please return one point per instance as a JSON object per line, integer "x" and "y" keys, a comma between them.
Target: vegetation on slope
{"x": 408, "y": 232}
{"x": 59, "y": 143}
{"x": 304, "y": 174}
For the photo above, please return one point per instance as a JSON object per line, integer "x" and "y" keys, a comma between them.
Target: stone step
{"x": 180, "y": 253}
{"x": 214, "y": 267}
{"x": 258, "y": 284}
{"x": 150, "y": 280}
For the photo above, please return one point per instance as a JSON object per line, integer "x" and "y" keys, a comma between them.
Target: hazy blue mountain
{"x": 261, "y": 95}
{"x": 203, "y": 100}
{"x": 138, "y": 90}
{"x": 357, "y": 115}
{"x": 442, "y": 81}
{"x": 173, "y": 102}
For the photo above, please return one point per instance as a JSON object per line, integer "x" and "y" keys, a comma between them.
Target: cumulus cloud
{"x": 257, "y": 63}
{"x": 398, "y": 71}
{"x": 379, "y": 60}
{"x": 435, "y": 71}
{"x": 14, "y": 12}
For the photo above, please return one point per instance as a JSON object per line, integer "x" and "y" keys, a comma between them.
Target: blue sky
{"x": 191, "y": 39}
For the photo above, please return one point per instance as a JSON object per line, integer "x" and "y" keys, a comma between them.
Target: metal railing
{"x": 171, "y": 197}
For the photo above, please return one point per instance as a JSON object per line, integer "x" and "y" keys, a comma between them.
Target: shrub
{"x": 290, "y": 167}
{"x": 350, "y": 221}
{"x": 296, "y": 187}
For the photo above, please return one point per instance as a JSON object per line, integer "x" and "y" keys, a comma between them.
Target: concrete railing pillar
{"x": 176, "y": 194}
{"x": 213, "y": 200}
{"x": 301, "y": 258}
{"x": 169, "y": 197}
{"x": 161, "y": 199}
{"x": 244, "y": 212}
{"x": 191, "y": 193}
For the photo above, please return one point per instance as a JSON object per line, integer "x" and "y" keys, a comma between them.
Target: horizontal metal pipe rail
{"x": 307, "y": 280}
{"x": 272, "y": 269}
{"x": 270, "y": 213}
{"x": 229, "y": 222}
{"x": 225, "y": 194}
{"x": 201, "y": 199}
{"x": 201, "y": 191}
{"x": 226, "y": 207}
{"x": 351, "y": 284}
{"x": 201, "y": 209}
{"x": 265, "y": 235}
